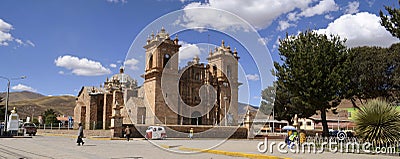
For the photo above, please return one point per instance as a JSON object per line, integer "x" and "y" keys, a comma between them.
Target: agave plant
{"x": 378, "y": 121}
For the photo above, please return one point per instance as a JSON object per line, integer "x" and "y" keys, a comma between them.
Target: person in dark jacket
{"x": 80, "y": 135}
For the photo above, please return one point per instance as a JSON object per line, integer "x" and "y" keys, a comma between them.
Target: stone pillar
{"x": 116, "y": 118}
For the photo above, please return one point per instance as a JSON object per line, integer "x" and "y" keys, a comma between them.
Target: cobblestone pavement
{"x": 65, "y": 147}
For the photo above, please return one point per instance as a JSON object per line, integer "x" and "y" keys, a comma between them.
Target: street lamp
{"x": 7, "y": 97}
{"x": 225, "y": 84}
{"x": 225, "y": 99}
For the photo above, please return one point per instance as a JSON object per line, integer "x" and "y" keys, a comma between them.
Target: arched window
{"x": 150, "y": 64}
{"x": 165, "y": 61}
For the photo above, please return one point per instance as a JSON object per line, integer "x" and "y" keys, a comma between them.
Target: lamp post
{"x": 225, "y": 84}
{"x": 225, "y": 99}
{"x": 7, "y": 97}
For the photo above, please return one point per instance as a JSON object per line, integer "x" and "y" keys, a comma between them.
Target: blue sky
{"x": 63, "y": 45}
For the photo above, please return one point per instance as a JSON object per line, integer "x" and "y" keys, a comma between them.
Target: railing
{"x": 348, "y": 145}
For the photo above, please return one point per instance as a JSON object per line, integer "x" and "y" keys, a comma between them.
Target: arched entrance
{"x": 196, "y": 118}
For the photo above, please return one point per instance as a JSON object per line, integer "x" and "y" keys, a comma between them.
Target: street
{"x": 65, "y": 147}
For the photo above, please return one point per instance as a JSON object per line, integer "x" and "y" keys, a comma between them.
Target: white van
{"x": 155, "y": 132}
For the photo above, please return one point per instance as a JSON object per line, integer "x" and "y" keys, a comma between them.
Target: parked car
{"x": 155, "y": 132}
{"x": 28, "y": 128}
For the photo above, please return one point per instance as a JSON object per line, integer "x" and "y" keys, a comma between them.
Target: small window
{"x": 159, "y": 129}
{"x": 166, "y": 59}
{"x": 150, "y": 64}
{"x": 349, "y": 114}
{"x": 308, "y": 123}
{"x": 301, "y": 123}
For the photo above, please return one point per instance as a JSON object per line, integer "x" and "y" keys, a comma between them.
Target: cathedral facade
{"x": 197, "y": 94}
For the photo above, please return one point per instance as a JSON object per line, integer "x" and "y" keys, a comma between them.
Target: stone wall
{"x": 178, "y": 131}
{"x": 71, "y": 132}
{"x": 181, "y": 131}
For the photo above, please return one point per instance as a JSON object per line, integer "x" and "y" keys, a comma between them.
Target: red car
{"x": 28, "y": 128}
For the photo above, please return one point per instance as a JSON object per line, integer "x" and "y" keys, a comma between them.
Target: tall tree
{"x": 268, "y": 99}
{"x": 313, "y": 72}
{"x": 370, "y": 72}
{"x": 392, "y": 21}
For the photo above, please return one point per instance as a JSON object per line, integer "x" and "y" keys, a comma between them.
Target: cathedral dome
{"x": 126, "y": 80}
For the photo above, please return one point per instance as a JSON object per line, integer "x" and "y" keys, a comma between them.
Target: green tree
{"x": 2, "y": 109}
{"x": 313, "y": 72}
{"x": 370, "y": 73}
{"x": 392, "y": 21}
{"x": 50, "y": 116}
{"x": 394, "y": 57}
{"x": 378, "y": 122}
{"x": 50, "y": 119}
{"x": 268, "y": 99}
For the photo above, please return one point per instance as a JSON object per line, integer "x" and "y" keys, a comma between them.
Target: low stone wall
{"x": 173, "y": 131}
{"x": 182, "y": 131}
{"x": 105, "y": 133}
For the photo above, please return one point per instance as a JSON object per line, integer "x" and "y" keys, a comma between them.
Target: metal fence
{"x": 349, "y": 145}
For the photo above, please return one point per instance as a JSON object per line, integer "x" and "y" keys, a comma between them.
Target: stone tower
{"x": 224, "y": 66}
{"x": 161, "y": 55}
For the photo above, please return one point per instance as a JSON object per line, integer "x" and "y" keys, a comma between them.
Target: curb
{"x": 229, "y": 153}
{"x": 62, "y": 135}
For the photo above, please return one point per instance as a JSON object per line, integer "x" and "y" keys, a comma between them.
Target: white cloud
{"x": 19, "y": 41}
{"x": 21, "y": 87}
{"x": 132, "y": 64}
{"x": 254, "y": 77}
{"x": 259, "y": 13}
{"x": 5, "y": 36}
{"x": 322, "y": 7}
{"x": 113, "y": 65}
{"x": 30, "y": 43}
{"x": 188, "y": 51}
{"x": 61, "y": 72}
{"x": 352, "y": 7}
{"x": 328, "y": 16}
{"x": 81, "y": 67}
{"x": 361, "y": 29}
{"x": 276, "y": 44}
{"x": 293, "y": 16}
{"x": 370, "y": 2}
{"x": 118, "y": 1}
{"x": 283, "y": 25}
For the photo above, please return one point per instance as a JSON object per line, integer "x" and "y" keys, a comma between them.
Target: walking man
{"x": 127, "y": 133}
{"x": 80, "y": 135}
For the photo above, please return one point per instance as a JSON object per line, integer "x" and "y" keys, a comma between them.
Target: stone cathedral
{"x": 197, "y": 94}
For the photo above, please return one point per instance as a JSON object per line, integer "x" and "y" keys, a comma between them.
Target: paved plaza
{"x": 43, "y": 146}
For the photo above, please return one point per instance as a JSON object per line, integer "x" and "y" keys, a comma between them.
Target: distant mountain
{"x": 29, "y": 103}
{"x": 243, "y": 107}
{"x": 18, "y": 96}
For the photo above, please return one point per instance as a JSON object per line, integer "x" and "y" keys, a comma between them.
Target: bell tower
{"x": 161, "y": 53}
{"x": 223, "y": 64}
